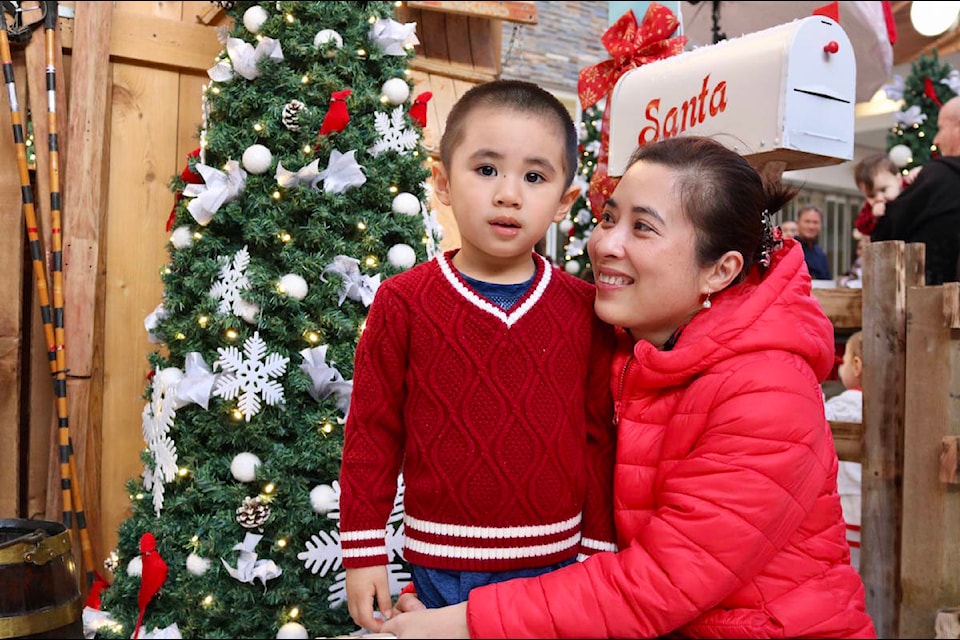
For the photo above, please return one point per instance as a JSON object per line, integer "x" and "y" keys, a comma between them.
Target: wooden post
{"x": 889, "y": 269}
{"x": 83, "y": 212}
{"x": 931, "y": 509}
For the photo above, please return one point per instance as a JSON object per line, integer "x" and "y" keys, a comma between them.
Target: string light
{"x": 207, "y": 600}
{"x": 276, "y": 195}
{"x": 294, "y": 613}
{"x": 231, "y": 334}
{"x": 282, "y": 542}
{"x": 269, "y": 488}
{"x": 258, "y": 127}
{"x": 326, "y": 428}
{"x": 181, "y": 336}
{"x": 215, "y": 91}
{"x": 361, "y": 52}
{"x": 237, "y": 415}
{"x": 393, "y": 188}
{"x": 195, "y": 540}
{"x": 307, "y": 149}
{"x": 197, "y": 235}
{"x": 362, "y": 226}
{"x": 305, "y": 79}
{"x": 289, "y": 18}
{"x": 371, "y": 261}
{"x": 183, "y": 472}
{"x": 312, "y": 337}
{"x": 285, "y": 237}
{"x": 203, "y": 321}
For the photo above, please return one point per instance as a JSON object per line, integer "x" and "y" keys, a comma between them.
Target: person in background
{"x": 809, "y": 224}
{"x": 848, "y": 407}
{"x": 789, "y": 229}
{"x": 879, "y": 180}
{"x": 729, "y": 524}
{"x": 853, "y": 278}
{"x": 929, "y": 210}
{"x": 483, "y": 375}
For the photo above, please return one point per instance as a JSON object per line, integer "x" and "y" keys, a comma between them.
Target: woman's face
{"x": 644, "y": 257}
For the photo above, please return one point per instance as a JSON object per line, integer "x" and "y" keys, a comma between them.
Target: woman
{"x": 726, "y": 505}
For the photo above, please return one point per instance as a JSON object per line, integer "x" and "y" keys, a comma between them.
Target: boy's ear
{"x": 566, "y": 201}
{"x": 441, "y": 183}
{"x": 857, "y": 366}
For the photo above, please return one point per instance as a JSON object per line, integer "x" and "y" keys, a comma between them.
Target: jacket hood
{"x": 772, "y": 311}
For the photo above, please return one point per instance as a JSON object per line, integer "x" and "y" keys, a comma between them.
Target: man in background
{"x": 809, "y": 223}
{"x": 928, "y": 211}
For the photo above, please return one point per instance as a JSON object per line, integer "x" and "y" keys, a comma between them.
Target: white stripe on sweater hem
{"x": 364, "y": 552}
{"x": 368, "y": 534}
{"x": 489, "y": 553}
{"x": 490, "y": 533}
{"x": 599, "y": 545}
{"x": 490, "y": 308}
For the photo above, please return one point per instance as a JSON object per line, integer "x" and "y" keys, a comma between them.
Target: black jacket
{"x": 928, "y": 211}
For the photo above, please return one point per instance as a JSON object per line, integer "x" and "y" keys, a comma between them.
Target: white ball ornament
{"x": 566, "y": 225}
{"x": 244, "y": 467}
{"x": 328, "y": 37}
{"x": 406, "y": 203}
{"x": 402, "y": 256}
{"x": 572, "y": 267}
{"x": 197, "y": 565}
{"x": 248, "y": 311}
{"x": 170, "y": 377}
{"x": 253, "y": 18}
{"x": 323, "y": 498}
{"x": 396, "y": 90}
{"x": 294, "y": 286}
{"x": 135, "y": 567}
{"x": 257, "y": 159}
{"x": 293, "y": 630}
{"x": 181, "y": 238}
{"x": 900, "y": 155}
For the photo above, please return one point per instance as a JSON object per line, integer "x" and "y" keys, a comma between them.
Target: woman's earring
{"x": 706, "y": 303}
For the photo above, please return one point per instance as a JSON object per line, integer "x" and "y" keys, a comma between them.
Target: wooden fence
{"x": 907, "y": 444}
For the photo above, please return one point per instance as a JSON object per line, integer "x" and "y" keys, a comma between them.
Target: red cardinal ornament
{"x": 418, "y": 110}
{"x": 337, "y": 117}
{"x": 96, "y": 591}
{"x": 189, "y": 176}
{"x": 152, "y": 577}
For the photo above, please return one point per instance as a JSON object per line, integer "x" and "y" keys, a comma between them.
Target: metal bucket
{"x": 39, "y": 592}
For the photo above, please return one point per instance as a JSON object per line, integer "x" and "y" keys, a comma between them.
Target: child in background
{"x": 789, "y": 229}
{"x": 879, "y": 180}
{"x": 848, "y": 407}
{"x": 483, "y": 375}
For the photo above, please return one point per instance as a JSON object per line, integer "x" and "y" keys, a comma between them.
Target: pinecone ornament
{"x": 252, "y": 514}
{"x": 291, "y": 115}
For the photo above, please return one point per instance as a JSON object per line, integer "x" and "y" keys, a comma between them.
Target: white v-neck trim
{"x": 508, "y": 319}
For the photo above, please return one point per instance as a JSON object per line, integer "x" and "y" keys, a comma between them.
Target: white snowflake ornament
{"x": 248, "y": 376}
{"x": 233, "y": 280}
{"x": 157, "y": 419}
{"x": 394, "y": 136}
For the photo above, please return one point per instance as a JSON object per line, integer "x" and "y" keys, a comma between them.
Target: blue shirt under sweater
{"x": 502, "y": 295}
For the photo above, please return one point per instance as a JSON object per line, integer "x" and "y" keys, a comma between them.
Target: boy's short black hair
{"x": 525, "y": 97}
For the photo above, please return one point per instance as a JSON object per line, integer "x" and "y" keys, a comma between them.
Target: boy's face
{"x": 886, "y": 187}
{"x": 789, "y": 228}
{"x": 850, "y": 370}
{"x": 505, "y": 185}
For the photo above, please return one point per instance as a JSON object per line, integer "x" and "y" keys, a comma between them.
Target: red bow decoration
{"x": 418, "y": 110}
{"x": 630, "y": 45}
{"x": 337, "y": 117}
{"x": 152, "y": 576}
{"x": 189, "y": 176}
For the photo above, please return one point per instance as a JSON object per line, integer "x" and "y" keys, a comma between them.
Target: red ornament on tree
{"x": 337, "y": 117}
{"x": 152, "y": 577}
{"x": 189, "y": 176}
{"x": 418, "y": 110}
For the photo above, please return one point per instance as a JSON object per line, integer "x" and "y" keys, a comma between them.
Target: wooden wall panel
{"x": 11, "y": 312}
{"x": 145, "y": 105}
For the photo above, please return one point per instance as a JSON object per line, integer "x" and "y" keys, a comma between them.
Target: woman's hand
{"x": 407, "y": 602}
{"x": 446, "y": 622}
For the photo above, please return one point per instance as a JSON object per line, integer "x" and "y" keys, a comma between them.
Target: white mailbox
{"x": 784, "y": 94}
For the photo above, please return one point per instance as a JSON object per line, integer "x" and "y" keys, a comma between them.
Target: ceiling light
{"x": 933, "y": 18}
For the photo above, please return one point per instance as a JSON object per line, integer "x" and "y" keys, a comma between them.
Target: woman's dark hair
{"x": 722, "y": 195}
{"x": 517, "y": 95}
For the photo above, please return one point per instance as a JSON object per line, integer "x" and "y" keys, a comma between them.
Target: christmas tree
{"x": 580, "y": 222}
{"x": 305, "y": 192}
{"x": 930, "y": 84}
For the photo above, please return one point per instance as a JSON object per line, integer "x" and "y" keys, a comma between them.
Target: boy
{"x": 848, "y": 407}
{"x": 483, "y": 375}
{"x": 880, "y": 182}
